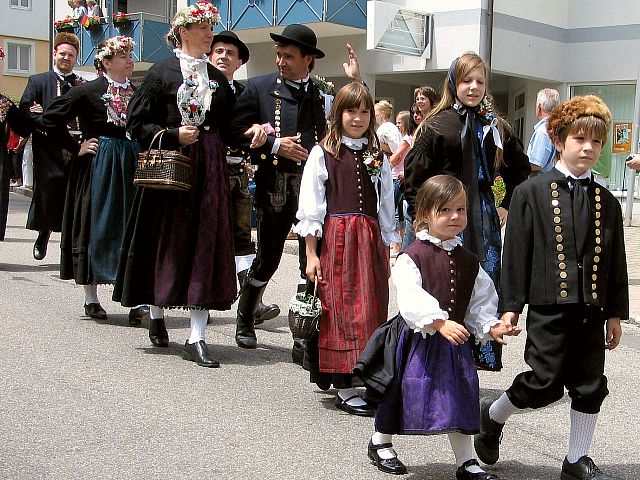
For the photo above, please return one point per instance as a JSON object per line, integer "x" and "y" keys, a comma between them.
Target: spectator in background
{"x": 425, "y": 98}
{"x": 27, "y": 164}
{"x": 79, "y": 9}
{"x": 15, "y": 148}
{"x": 93, "y": 9}
{"x": 541, "y": 149}
{"x": 397, "y": 170}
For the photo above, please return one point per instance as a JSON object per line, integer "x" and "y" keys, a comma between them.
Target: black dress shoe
{"x": 463, "y": 474}
{"x": 361, "y": 410}
{"x": 136, "y": 315}
{"x": 95, "y": 310}
{"x": 40, "y": 247}
{"x": 386, "y": 465}
{"x": 198, "y": 352}
{"x": 585, "y": 469}
{"x": 487, "y": 442}
{"x": 158, "y": 332}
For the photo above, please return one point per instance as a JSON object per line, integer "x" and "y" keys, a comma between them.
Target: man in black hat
{"x": 291, "y": 108}
{"x": 228, "y": 54}
{"x": 49, "y": 166}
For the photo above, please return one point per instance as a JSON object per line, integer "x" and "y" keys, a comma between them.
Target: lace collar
{"x": 124, "y": 85}
{"x": 446, "y": 245}
{"x": 354, "y": 143}
{"x": 195, "y": 94}
{"x": 183, "y": 57}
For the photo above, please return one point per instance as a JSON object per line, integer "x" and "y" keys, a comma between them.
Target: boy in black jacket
{"x": 563, "y": 256}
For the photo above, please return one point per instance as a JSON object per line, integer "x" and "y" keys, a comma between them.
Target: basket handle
{"x": 158, "y": 135}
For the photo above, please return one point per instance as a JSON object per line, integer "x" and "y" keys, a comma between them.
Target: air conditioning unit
{"x": 393, "y": 28}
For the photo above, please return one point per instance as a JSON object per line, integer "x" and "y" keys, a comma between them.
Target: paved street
{"x": 85, "y": 399}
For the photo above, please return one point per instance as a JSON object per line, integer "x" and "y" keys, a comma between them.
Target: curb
{"x": 24, "y": 191}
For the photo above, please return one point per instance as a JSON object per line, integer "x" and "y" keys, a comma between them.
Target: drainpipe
{"x": 631, "y": 174}
{"x": 488, "y": 41}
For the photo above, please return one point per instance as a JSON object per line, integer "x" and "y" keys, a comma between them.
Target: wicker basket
{"x": 163, "y": 169}
{"x": 304, "y": 314}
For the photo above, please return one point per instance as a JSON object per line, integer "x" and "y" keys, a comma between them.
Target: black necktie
{"x": 65, "y": 83}
{"x": 581, "y": 212}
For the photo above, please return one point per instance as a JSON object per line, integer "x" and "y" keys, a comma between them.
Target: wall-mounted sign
{"x": 621, "y": 137}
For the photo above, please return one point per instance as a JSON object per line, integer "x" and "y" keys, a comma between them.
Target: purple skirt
{"x": 178, "y": 247}
{"x": 435, "y": 389}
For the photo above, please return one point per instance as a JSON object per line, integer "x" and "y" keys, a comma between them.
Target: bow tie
{"x": 299, "y": 85}
{"x": 574, "y": 182}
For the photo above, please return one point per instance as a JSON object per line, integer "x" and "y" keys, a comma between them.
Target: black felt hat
{"x": 229, "y": 37}
{"x": 300, "y": 36}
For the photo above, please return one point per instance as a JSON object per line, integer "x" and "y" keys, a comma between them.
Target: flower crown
{"x": 199, "y": 12}
{"x": 115, "y": 45}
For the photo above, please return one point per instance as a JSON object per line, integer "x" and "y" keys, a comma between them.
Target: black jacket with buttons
{"x": 540, "y": 264}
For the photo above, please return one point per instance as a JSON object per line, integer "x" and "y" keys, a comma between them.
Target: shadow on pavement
{"x": 12, "y": 267}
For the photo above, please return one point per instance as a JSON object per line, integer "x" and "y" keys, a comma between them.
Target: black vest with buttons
{"x": 449, "y": 277}
{"x": 349, "y": 187}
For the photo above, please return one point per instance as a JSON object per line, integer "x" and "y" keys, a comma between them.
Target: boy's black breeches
{"x": 564, "y": 348}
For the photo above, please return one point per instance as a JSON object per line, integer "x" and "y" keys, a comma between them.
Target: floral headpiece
{"x": 581, "y": 106}
{"x": 1, "y": 53}
{"x": 115, "y": 45}
{"x": 199, "y": 12}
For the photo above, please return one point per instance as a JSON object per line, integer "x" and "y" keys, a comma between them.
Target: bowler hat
{"x": 229, "y": 37}
{"x": 300, "y": 36}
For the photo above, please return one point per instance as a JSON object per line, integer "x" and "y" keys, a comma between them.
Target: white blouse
{"x": 312, "y": 203}
{"x": 420, "y": 309}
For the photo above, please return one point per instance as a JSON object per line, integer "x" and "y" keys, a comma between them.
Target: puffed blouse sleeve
{"x": 144, "y": 112}
{"x": 418, "y": 308}
{"x": 482, "y": 313}
{"x": 312, "y": 203}
{"x": 387, "y": 208}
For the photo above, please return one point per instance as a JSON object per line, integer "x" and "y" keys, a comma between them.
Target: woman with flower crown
{"x": 178, "y": 249}
{"x": 464, "y": 137}
{"x": 100, "y": 187}
{"x": 346, "y": 197}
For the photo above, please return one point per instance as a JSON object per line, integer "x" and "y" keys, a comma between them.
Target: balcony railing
{"x": 149, "y": 30}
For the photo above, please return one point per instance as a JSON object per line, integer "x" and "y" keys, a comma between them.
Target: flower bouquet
{"x": 120, "y": 19}
{"x": 65, "y": 25}
{"x": 373, "y": 162}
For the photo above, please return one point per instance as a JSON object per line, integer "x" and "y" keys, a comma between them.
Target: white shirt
{"x": 312, "y": 203}
{"x": 389, "y": 133}
{"x": 420, "y": 309}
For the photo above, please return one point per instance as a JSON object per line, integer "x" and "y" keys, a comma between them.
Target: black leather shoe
{"x": 198, "y": 352}
{"x": 40, "y": 247}
{"x": 487, "y": 442}
{"x": 361, "y": 411}
{"x": 95, "y": 310}
{"x": 463, "y": 474}
{"x": 158, "y": 333}
{"x": 136, "y": 315}
{"x": 386, "y": 465}
{"x": 585, "y": 469}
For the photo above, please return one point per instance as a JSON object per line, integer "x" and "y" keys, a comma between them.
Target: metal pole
{"x": 628, "y": 212}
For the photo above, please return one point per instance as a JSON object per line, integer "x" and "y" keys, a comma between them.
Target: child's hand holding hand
{"x": 455, "y": 333}
{"x": 614, "y": 333}
{"x": 508, "y": 326}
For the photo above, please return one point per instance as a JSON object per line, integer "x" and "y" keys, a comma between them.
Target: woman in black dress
{"x": 178, "y": 249}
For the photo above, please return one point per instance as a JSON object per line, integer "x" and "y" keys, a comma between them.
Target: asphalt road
{"x": 92, "y": 399}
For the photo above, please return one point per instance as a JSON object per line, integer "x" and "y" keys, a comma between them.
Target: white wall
{"x": 33, "y": 23}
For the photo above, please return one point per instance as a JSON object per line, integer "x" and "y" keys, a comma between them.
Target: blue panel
{"x": 223, "y": 10}
{"x": 154, "y": 45}
{"x": 251, "y": 14}
{"x": 352, "y": 13}
{"x": 299, "y": 11}
{"x": 89, "y": 41}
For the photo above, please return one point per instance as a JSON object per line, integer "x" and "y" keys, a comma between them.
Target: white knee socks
{"x": 502, "y": 409}
{"x": 244, "y": 262}
{"x": 156, "y": 312}
{"x": 380, "y": 439}
{"x": 198, "y": 325}
{"x": 90, "y": 294}
{"x": 581, "y": 434}
{"x": 462, "y": 446}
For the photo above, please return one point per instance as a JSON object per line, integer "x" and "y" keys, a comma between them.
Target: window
{"x": 19, "y": 58}
{"x": 26, "y": 4}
